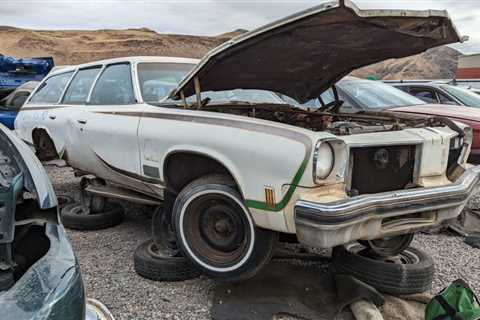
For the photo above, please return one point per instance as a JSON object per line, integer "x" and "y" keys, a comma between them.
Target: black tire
{"x": 74, "y": 216}
{"x": 215, "y": 231}
{"x": 150, "y": 265}
{"x": 415, "y": 275}
{"x": 64, "y": 200}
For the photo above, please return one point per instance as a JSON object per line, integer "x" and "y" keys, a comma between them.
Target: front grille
{"x": 381, "y": 169}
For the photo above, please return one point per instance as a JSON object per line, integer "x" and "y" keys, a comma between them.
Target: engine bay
{"x": 335, "y": 123}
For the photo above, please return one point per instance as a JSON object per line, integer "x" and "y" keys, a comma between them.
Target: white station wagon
{"x": 240, "y": 165}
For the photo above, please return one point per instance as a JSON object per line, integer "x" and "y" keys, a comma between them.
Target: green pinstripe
{"x": 279, "y": 206}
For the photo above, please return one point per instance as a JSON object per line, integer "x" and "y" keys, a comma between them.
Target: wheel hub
{"x": 220, "y": 228}
{"x": 223, "y": 227}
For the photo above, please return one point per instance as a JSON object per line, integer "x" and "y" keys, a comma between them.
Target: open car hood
{"x": 304, "y": 54}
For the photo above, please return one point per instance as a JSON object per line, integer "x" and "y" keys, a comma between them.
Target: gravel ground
{"x": 106, "y": 260}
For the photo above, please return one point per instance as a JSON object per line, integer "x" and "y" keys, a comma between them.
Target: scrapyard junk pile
{"x": 229, "y": 168}
{"x": 39, "y": 275}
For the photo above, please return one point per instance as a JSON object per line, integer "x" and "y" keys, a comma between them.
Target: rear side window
{"x": 51, "y": 89}
{"x": 424, "y": 94}
{"x": 114, "y": 87}
{"x": 77, "y": 92}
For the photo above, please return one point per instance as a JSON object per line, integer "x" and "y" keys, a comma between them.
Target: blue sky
{"x": 204, "y": 17}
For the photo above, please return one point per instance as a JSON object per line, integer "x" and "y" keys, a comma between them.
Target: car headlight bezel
{"x": 323, "y": 161}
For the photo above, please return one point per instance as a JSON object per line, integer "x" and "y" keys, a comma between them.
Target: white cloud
{"x": 205, "y": 17}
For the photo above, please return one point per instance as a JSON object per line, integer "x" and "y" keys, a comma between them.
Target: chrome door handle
{"x": 53, "y": 117}
{"x": 82, "y": 121}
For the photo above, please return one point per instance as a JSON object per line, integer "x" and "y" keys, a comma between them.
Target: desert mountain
{"x": 74, "y": 47}
{"x": 436, "y": 63}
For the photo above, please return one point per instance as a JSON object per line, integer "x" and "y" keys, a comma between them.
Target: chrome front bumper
{"x": 379, "y": 215}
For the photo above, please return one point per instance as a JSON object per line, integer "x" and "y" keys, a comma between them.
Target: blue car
{"x": 10, "y": 105}
{"x": 15, "y": 72}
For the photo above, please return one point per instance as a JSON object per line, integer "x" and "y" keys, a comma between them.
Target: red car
{"x": 467, "y": 115}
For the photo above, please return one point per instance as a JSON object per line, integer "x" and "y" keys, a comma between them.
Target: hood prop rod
{"x": 184, "y": 100}
{"x": 196, "y": 83}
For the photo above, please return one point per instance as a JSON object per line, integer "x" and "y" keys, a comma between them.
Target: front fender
{"x": 255, "y": 166}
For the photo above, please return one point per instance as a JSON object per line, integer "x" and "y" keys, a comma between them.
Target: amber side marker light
{"x": 270, "y": 197}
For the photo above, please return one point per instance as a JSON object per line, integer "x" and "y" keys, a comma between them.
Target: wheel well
{"x": 36, "y": 133}
{"x": 51, "y": 152}
{"x": 184, "y": 167}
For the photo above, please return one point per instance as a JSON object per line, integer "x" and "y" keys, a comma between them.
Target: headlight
{"x": 323, "y": 160}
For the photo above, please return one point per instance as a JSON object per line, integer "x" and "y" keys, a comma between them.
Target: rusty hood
{"x": 304, "y": 54}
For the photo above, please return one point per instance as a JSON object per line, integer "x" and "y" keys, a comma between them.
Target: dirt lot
{"x": 107, "y": 266}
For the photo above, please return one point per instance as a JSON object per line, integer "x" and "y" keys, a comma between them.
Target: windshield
{"x": 370, "y": 94}
{"x": 240, "y": 95}
{"x": 467, "y": 97}
{"x": 157, "y": 79}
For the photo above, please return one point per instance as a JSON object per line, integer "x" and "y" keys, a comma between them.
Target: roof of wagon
{"x": 136, "y": 59}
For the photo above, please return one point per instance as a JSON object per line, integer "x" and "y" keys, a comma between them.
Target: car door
{"x": 105, "y": 129}
{"x": 43, "y": 111}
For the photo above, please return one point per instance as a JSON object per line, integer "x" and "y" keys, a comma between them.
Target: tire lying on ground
{"x": 409, "y": 272}
{"x": 150, "y": 264}
{"x": 216, "y": 232}
{"x": 76, "y": 216}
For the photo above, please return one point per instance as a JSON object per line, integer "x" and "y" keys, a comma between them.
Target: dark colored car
{"x": 441, "y": 93}
{"x": 15, "y": 72}
{"x": 10, "y": 105}
{"x": 39, "y": 274}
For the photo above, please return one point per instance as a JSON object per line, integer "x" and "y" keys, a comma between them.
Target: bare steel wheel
{"x": 218, "y": 227}
{"x": 389, "y": 246}
{"x": 216, "y": 232}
